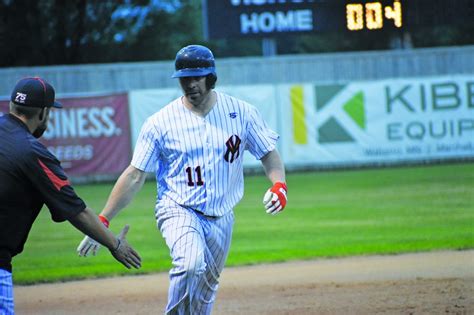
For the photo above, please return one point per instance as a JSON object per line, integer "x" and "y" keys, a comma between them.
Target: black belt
{"x": 203, "y": 214}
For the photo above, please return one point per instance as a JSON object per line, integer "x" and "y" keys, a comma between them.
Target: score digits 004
{"x": 373, "y": 15}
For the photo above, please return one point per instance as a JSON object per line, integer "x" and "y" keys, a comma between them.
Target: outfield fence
{"x": 321, "y": 68}
{"x": 344, "y": 121}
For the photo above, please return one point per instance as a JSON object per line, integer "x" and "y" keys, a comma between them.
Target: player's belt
{"x": 203, "y": 214}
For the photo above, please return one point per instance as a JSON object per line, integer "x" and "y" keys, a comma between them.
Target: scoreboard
{"x": 269, "y": 18}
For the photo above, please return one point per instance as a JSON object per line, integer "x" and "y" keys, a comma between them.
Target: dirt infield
{"x": 423, "y": 283}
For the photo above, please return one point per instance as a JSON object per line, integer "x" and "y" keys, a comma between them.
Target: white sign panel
{"x": 397, "y": 120}
{"x": 380, "y": 121}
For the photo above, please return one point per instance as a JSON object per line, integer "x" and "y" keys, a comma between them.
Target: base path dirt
{"x": 421, "y": 283}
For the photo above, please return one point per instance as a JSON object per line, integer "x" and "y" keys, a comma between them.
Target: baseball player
{"x": 195, "y": 146}
{"x": 30, "y": 177}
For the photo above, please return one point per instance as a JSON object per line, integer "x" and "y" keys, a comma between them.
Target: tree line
{"x": 57, "y": 32}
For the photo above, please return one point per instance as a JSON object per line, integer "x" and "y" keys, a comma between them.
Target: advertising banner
{"x": 90, "y": 135}
{"x": 349, "y": 124}
{"x": 144, "y": 103}
{"x": 379, "y": 121}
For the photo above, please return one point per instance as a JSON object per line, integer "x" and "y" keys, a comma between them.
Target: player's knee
{"x": 189, "y": 266}
{"x": 196, "y": 266}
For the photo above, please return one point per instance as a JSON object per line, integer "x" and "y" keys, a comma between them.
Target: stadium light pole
{"x": 269, "y": 47}
{"x": 205, "y": 26}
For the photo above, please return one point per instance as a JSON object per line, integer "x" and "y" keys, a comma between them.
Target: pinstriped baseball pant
{"x": 198, "y": 247}
{"x": 6, "y": 293}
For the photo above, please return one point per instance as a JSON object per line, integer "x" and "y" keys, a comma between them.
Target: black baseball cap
{"x": 34, "y": 92}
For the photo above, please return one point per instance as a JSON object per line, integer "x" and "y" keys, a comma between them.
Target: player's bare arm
{"x": 88, "y": 223}
{"x": 275, "y": 198}
{"x": 273, "y": 166}
{"x": 128, "y": 184}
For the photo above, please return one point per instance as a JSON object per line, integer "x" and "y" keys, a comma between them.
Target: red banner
{"x": 90, "y": 135}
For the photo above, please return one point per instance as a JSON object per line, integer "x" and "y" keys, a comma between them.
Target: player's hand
{"x": 88, "y": 244}
{"x": 275, "y": 198}
{"x": 124, "y": 253}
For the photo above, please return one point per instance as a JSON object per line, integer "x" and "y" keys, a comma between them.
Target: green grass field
{"x": 330, "y": 214}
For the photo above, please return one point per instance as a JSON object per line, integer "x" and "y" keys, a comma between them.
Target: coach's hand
{"x": 275, "y": 198}
{"x": 124, "y": 253}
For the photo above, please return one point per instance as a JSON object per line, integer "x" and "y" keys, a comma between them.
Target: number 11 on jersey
{"x": 197, "y": 181}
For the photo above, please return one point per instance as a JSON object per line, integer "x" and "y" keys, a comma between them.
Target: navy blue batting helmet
{"x": 194, "y": 61}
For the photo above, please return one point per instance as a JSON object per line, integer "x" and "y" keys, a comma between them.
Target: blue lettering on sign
{"x": 267, "y": 22}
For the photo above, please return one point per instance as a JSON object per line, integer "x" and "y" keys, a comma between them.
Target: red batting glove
{"x": 275, "y": 198}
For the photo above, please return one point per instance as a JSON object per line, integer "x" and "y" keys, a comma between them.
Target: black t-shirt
{"x": 30, "y": 176}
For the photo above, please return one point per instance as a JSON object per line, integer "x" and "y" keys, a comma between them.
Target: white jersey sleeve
{"x": 261, "y": 139}
{"x": 147, "y": 147}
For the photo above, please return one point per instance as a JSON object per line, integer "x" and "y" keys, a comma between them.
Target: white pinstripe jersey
{"x": 199, "y": 161}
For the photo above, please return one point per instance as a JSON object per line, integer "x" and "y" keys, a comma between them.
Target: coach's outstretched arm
{"x": 276, "y": 197}
{"x": 127, "y": 185}
{"x": 88, "y": 223}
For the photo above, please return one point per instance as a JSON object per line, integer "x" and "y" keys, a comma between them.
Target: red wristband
{"x": 104, "y": 220}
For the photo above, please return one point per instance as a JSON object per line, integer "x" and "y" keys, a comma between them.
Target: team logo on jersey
{"x": 233, "y": 115}
{"x": 233, "y": 145}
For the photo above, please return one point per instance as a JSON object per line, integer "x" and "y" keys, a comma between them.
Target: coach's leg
{"x": 184, "y": 236}
{"x": 6, "y": 293}
{"x": 218, "y": 235}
